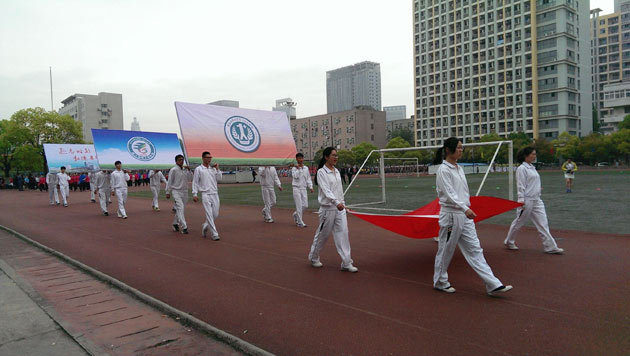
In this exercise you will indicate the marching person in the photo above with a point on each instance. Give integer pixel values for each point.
(332, 212)
(569, 167)
(268, 177)
(118, 183)
(52, 181)
(457, 227)
(91, 179)
(64, 186)
(178, 178)
(301, 181)
(529, 191)
(156, 177)
(205, 182)
(101, 182)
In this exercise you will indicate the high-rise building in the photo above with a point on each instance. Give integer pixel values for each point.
(610, 57)
(102, 111)
(230, 103)
(286, 105)
(353, 86)
(501, 66)
(393, 125)
(398, 112)
(617, 104)
(342, 130)
(135, 125)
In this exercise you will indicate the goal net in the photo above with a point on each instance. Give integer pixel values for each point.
(400, 180)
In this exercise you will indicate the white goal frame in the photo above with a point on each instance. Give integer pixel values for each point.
(381, 170)
(408, 159)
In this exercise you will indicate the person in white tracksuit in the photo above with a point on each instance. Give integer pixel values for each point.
(268, 177)
(92, 178)
(332, 213)
(178, 178)
(118, 183)
(457, 227)
(301, 181)
(155, 180)
(64, 186)
(52, 180)
(102, 182)
(205, 182)
(529, 191)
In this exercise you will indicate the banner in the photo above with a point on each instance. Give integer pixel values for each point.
(76, 158)
(136, 149)
(234, 136)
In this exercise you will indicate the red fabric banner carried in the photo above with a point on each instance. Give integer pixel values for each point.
(422, 223)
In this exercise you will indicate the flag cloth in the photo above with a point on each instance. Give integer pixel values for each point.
(75, 157)
(422, 223)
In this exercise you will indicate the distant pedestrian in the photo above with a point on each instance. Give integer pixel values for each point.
(177, 184)
(156, 177)
(63, 180)
(205, 182)
(268, 177)
(52, 180)
(301, 180)
(569, 167)
(118, 183)
(101, 182)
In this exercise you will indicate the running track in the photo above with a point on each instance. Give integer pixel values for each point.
(257, 284)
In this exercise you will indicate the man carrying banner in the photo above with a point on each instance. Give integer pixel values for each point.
(101, 183)
(268, 176)
(52, 181)
(118, 183)
(178, 178)
(301, 180)
(156, 178)
(205, 182)
(64, 186)
(91, 179)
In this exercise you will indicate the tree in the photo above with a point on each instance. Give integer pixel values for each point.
(595, 119)
(621, 142)
(625, 124)
(595, 148)
(345, 158)
(486, 152)
(10, 140)
(362, 150)
(403, 133)
(544, 151)
(566, 146)
(43, 126)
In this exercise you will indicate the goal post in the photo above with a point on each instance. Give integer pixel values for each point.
(380, 153)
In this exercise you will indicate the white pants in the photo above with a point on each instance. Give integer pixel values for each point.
(156, 194)
(65, 192)
(103, 198)
(535, 210)
(180, 199)
(269, 198)
(334, 221)
(92, 189)
(121, 196)
(301, 202)
(456, 229)
(52, 193)
(211, 205)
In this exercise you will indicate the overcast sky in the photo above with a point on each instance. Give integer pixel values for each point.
(157, 52)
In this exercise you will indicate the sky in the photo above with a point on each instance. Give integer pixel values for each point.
(158, 52)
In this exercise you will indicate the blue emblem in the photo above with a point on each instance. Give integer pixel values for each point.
(242, 134)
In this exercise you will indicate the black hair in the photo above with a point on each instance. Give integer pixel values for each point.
(117, 162)
(203, 154)
(62, 167)
(177, 157)
(322, 161)
(524, 152)
(449, 146)
(299, 154)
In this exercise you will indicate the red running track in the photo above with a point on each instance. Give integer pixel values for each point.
(256, 283)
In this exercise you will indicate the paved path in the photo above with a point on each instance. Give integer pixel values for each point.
(256, 283)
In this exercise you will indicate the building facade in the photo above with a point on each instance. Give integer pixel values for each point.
(617, 103)
(501, 66)
(353, 86)
(286, 105)
(398, 112)
(398, 125)
(342, 130)
(101, 111)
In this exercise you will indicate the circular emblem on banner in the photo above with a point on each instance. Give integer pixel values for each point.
(141, 148)
(242, 134)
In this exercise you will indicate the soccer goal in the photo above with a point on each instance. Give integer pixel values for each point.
(404, 194)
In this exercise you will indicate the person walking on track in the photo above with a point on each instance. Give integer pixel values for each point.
(118, 183)
(205, 182)
(156, 177)
(101, 182)
(178, 178)
(64, 186)
(301, 181)
(268, 177)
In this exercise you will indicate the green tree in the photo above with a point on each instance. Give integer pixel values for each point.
(362, 150)
(11, 139)
(486, 152)
(595, 148)
(566, 146)
(346, 158)
(595, 119)
(46, 127)
(625, 124)
(621, 142)
(544, 151)
(403, 133)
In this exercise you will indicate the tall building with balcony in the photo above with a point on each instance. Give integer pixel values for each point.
(353, 86)
(501, 66)
(101, 111)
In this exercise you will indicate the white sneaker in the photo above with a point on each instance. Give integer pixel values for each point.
(270, 220)
(436, 239)
(124, 216)
(216, 238)
(350, 268)
(316, 264)
(510, 246)
(556, 251)
(501, 289)
(119, 214)
(448, 289)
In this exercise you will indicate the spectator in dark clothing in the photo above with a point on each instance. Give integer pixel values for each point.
(342, 172)
(253, 175)
(350, 174)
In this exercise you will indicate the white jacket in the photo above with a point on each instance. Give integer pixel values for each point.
(102, 180)
(178, 179)
(118, 180)
(156, 178)
(205, 180)
(301, 178)
(63, 179)
(452, 188)
(527, 182)
(268, 176)
(51, 178)
(330, 192)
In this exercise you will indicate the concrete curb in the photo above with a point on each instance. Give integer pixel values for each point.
(185, 318)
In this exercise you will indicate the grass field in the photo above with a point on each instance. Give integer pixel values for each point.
(599, 201)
